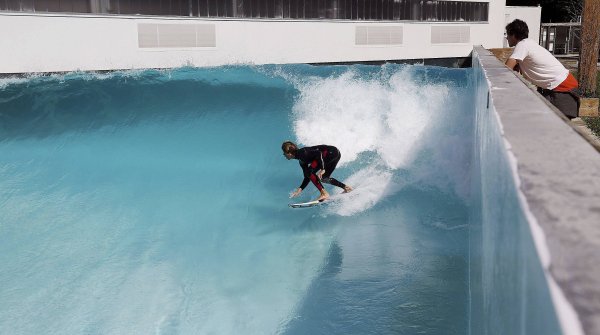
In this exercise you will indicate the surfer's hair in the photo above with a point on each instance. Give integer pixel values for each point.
(289, 147)
(518, 29)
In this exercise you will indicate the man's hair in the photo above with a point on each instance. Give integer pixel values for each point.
(518, 29)
(289, 146)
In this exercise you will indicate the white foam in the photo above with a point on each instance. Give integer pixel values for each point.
(384, 115)
(62, 77)
(5, 82)
(387, 115)
(371, 185)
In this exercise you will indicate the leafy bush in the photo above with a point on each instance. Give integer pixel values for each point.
(593, 123)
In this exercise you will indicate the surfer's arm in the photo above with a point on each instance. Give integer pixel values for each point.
(306, 173)
(296, 193)
(305, 182)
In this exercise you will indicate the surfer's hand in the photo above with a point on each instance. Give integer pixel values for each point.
(320, 173)
(296, 193)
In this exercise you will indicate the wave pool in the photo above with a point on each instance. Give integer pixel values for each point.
(155, 202)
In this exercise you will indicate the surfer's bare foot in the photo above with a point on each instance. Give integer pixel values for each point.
(324, 196)
(347, 189)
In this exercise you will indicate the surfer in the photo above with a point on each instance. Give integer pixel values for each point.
(317, 164)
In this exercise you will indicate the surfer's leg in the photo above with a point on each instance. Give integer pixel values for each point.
(334, 182)
(329, 168)
(331, 163)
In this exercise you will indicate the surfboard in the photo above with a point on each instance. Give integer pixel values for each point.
(331, 199)
(308, 204)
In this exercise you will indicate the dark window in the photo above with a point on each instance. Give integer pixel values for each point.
(344, 10)
(13, 5)
(251, 8)
(309, 9)
(148, 8)
(463, 10)
(415, 11)
(27, 5)
(477, 12)
(46, 6)
(428, 11)
(403, 10)
(484, 11)
(330, 9)
(452, 11)
(212, 8)
(225, 8)
(270, 8)
(112, 6)
(400, 10)
(389, 10)
(295, 11)
(285, 9)
(194, 9)
(353, 8)
(164, 7)
(81, 6)
(202, 8)
(360, 9)
(125, 6)
(65, 5)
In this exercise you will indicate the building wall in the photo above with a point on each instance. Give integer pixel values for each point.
(61, 42)
(531, 15)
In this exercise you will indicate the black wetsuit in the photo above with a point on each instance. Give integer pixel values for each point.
(313, 159)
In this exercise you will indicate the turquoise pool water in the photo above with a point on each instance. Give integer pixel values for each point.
(156, 202)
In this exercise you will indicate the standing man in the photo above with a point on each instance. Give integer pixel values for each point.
(317, 164)
(540, 67)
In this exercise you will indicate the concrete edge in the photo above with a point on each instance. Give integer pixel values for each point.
(502, 54)
(579, 127)
(586, 132)
(545, 151)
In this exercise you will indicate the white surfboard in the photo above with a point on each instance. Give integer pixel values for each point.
(308, 204)
(331, 199)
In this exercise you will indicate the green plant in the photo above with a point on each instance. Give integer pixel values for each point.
(593, 122)
(576, 75)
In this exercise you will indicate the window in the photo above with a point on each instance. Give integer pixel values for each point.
(372, 10)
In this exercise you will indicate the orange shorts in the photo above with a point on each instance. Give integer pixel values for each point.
(567, 85)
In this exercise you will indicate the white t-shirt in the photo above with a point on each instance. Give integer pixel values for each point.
(538, 64)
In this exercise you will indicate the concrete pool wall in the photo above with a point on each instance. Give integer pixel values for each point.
(536, 237)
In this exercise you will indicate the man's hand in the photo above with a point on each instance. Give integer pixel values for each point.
(320, 173)
(512, 64)
(296, 193)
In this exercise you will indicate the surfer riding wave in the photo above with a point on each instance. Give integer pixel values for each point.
(317, 163)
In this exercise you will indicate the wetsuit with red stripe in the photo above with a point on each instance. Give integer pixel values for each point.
(313, 159)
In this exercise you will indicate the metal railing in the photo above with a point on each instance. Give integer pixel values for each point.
(561, 38)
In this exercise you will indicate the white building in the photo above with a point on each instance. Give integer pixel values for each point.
(67, 35)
